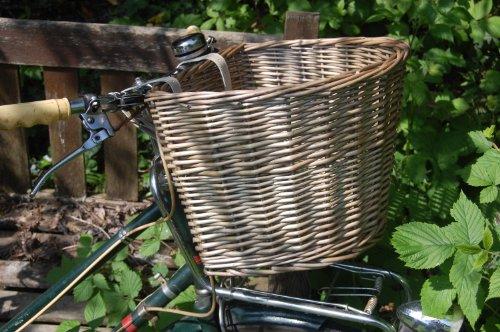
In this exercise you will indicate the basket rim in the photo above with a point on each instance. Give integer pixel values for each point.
(353, 76)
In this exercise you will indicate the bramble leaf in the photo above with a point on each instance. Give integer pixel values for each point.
(486, 170)
(422, 245)
(95, 310)
(69, 326)
(480, 141)
(100, 281)
(149, 247)
(481, 259)
(493, 26)
(480, 9)
(84, 290)
(121, 255)
(494, 284)
(487, 239)
(130, 284)
(437, 296)
(116, 305)
(488, 194)
(179, 260)
(84, 245)
(442, 31)
(470, 221)
(467, 281)
(469, 249)
(491, 81)
(160, 268)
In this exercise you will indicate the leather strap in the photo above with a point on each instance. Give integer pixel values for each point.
(220, 62)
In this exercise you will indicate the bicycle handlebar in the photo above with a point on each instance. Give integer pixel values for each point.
(33, 113)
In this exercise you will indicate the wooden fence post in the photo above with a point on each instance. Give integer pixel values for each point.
(14, 167)
(301, 25)
(298, 25)
(120, 152)
(65, 136)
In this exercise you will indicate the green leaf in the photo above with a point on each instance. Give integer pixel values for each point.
(159, 231)
(491, 82)
(441, 31)
(164, 232)
(488, 194)
(480, 141)
(469, 249)
(208, 24)
(481, 259)
(179, 259)
(477, 31)
(116, 306)
(118, 268)
(184, 300)
(442, 195)
(437, 296)
(445, 57)
(149, 247)
(84, 290)
(494, 284)
(421, 245)
(149, 233)
(121, 255)
(160, 268)
(491, 325)
(95, 310)
(84, 245)
(130, 284)
(489, 132)
(418, 90)
(470, 221)
(298, 5)
(467, 281)
(480, 9)
(460, 105)
(69, 326)
(100, 281)
(445, 5)
(219, 24)
(415, 168)
(486, 170)
(377, 17)
(487, 239)
(493, 26)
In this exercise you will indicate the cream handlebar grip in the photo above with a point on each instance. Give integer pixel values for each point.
(37, 112)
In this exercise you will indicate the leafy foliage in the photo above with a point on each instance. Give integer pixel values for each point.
(116, 287)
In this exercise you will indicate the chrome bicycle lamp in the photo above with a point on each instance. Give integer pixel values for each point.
(412, 318)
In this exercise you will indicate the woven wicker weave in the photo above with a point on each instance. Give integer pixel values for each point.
(290, 170)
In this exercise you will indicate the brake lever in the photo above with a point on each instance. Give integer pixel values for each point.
(99, 129)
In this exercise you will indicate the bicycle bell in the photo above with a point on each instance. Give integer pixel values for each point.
(192, 45)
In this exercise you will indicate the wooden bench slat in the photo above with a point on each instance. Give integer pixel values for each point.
(98, 46)
(120, 152)
(65, 136)
(14, 167)
(53, 328)
(23, 274)
(12, 301)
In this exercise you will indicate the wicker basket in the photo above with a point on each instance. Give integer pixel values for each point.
(290, 170)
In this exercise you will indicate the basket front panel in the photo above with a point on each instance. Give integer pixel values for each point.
(285, 181)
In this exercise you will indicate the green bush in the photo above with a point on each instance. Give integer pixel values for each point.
(444, 195)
